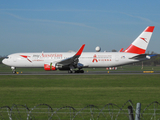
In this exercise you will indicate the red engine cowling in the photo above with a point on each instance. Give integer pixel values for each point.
(49, 66)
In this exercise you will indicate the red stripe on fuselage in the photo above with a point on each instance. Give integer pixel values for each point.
(24, 56)
(134, 49)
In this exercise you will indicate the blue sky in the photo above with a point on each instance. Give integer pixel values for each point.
(63, 25)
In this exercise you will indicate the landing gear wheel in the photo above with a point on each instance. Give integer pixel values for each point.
(81, 71)
(69, 71)
(77, 71)
(14, 72)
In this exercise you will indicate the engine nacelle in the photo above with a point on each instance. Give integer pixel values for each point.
(49, 66)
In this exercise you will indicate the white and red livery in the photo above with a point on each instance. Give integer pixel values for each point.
(71, 61)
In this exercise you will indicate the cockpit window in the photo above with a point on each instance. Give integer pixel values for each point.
(6, 57)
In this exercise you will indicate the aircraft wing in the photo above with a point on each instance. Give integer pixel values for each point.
(72, 61)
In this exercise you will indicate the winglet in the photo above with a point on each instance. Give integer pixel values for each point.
(80, 50)
(121, 50)
(72, 61)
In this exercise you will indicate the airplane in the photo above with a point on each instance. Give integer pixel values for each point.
(79, 60)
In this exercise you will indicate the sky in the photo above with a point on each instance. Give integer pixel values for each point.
(63, 25)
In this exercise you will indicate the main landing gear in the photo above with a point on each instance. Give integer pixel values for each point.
(13, 70)
(76, 71)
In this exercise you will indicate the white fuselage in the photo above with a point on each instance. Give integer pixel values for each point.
(69, 61)
(87, 59)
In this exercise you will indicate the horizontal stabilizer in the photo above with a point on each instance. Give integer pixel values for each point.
(152, 55)
(143, 56)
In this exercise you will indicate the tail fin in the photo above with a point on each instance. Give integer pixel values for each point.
(140, 44)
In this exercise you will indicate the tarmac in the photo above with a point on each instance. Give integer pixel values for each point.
(85, 73)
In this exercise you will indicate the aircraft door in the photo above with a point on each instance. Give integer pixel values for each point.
(14, 59)
(117, 58)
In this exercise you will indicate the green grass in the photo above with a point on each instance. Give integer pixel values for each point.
(78, 91)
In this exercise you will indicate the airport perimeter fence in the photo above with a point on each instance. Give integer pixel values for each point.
(108, 112)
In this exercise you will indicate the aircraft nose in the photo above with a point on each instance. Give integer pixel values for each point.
(3, 61)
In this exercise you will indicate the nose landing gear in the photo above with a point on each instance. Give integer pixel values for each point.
(13, 70)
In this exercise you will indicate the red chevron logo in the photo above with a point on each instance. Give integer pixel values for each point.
(144, 39)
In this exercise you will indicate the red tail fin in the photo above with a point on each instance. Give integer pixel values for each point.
(140, 44)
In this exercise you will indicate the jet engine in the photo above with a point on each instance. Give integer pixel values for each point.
(49, 66)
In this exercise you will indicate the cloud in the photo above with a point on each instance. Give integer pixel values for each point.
(51, 10)
(45, 20)
(139, 17)
(74, 10)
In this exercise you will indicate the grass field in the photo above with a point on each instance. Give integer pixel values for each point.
(81, 90)
(78, 91)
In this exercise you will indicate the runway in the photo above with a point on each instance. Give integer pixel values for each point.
(85, 73)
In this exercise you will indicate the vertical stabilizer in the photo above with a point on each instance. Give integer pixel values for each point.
(140, 44)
